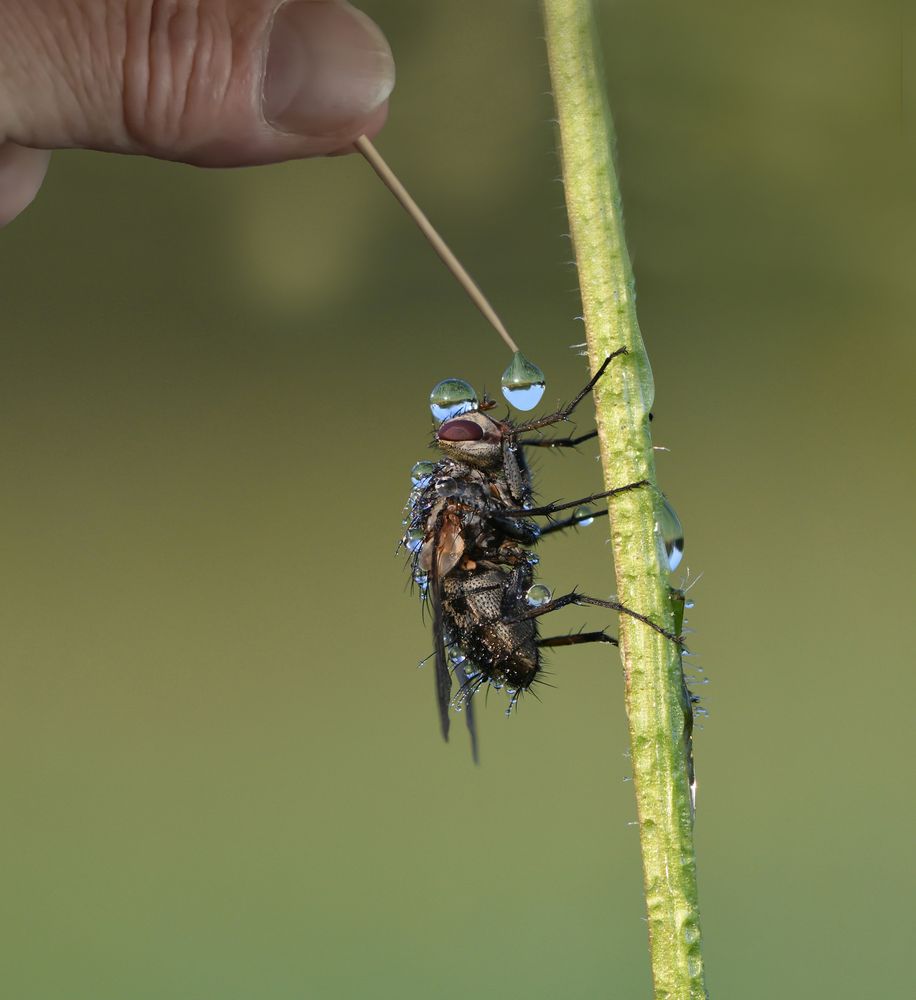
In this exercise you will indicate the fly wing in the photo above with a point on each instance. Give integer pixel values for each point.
(445, 546)
(443, 678)
(462, 679)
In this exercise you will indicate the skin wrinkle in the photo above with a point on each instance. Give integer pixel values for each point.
(188, 78)
(159, 81)
(191, 54)
(32, 23)
(90, 59)
(176, 79)
(200, 55)
(210, 74)
(114, 29)
(134, 71)
(13, 24)
(185, 48)
(77, 49)
(78, 57)
(166, 65)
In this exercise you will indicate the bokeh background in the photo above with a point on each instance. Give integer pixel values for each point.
(221, 770)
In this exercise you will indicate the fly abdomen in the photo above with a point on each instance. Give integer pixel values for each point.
(478, 610)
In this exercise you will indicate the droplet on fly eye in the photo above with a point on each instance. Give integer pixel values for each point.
(523, 383)
(538, 595)
(584, 516)
(421, 471)
(413, 540)
(452, 397)
(672, 534)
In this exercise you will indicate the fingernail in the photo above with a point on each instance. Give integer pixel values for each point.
(328, 67)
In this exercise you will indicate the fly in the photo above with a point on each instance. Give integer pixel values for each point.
(470, 530)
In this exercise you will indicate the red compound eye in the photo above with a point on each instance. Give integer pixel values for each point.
(460, 430)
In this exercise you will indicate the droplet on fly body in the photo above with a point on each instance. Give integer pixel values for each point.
(583, 515)
(455, 656)
(523, 383)
(452, 397)
(672, 533)
(413, 540)
(421, 471)
(538, 595)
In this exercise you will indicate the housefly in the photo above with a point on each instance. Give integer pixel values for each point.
(470, 530)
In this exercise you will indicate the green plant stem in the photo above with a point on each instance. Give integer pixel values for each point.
(623, 399)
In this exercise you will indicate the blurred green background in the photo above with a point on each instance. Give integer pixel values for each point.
(221, 770)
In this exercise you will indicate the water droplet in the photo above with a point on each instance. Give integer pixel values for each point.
(533, 558)
(421, 472)
(672, 533)
(455, 656)
(451, 397)
(538, 595)
(413, 540)
(584, 514)
(523, 383)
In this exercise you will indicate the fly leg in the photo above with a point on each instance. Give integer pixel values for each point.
(576, 638)
(567, 442)
(577, 598)
(571, 522)
(553, 508)
(565, 411)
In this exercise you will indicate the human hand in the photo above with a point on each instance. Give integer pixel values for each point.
(216, 83)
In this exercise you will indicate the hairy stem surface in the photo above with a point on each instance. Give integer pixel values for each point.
(623, 399)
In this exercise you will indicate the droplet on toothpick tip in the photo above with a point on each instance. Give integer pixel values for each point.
(523, 383)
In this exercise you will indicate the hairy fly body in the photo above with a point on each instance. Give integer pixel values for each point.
(470, 528)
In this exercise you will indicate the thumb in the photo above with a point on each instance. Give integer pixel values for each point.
(210, 82)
